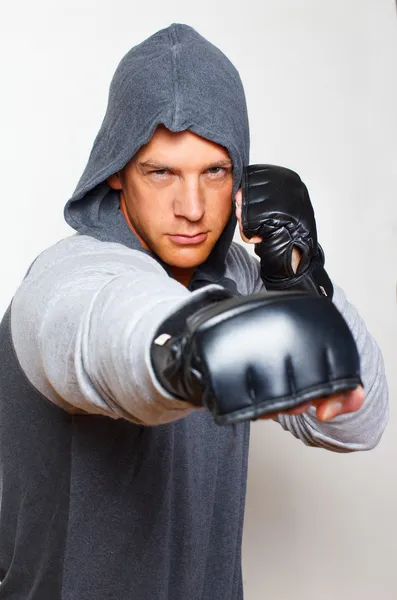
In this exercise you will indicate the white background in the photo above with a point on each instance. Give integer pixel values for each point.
(321, 84)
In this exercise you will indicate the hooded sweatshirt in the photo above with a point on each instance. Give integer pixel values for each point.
(112, 489)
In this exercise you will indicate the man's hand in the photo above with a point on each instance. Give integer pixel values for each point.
(276, 206)
(244, 357)
(296, 254)
(331, 406)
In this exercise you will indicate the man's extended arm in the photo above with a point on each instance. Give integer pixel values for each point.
(103, 329)
(82, 322)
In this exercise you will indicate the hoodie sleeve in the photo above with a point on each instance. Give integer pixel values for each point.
(361, 430)
(82, 322)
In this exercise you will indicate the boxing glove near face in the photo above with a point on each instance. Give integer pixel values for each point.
(276, 206)
(248, 356)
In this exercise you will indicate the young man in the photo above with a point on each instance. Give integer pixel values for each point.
(116, 482)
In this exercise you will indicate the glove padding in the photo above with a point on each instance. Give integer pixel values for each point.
(276, 206)
(245, 357)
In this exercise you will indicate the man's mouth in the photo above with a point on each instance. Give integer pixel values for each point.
(184, 240)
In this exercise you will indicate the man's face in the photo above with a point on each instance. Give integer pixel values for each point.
(177, 194)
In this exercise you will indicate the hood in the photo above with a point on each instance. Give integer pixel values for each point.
(178, 79)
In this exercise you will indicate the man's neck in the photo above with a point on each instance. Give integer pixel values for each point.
(184, 276)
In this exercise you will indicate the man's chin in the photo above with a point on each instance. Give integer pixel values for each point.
(185, 259)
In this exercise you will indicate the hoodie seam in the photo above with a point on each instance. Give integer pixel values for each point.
(174, 49)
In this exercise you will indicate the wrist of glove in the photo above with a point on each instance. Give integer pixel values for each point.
(310, 276)
(177, 366)
(245, 357)
(276, 207)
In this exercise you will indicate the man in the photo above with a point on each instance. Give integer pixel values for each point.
(116, 482)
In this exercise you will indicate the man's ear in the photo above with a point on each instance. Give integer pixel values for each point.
(114, 181)
(238, 198)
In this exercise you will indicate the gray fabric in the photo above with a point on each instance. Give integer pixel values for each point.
(35, 476)
(111, 488)
(99, 508)
(177, 78)
(94, 307)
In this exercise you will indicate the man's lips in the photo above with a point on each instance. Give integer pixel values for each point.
(184, 240)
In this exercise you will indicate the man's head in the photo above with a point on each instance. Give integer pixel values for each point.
(176, 193)
(174, 81)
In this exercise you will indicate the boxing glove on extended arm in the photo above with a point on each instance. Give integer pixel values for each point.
(244, 357)
(276, 206)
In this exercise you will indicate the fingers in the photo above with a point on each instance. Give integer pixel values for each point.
(296, 257)
(238, 200)
(293, 411)
(330, 407)
(296, 252)
(340, 404)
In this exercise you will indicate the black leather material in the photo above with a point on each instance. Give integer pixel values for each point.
(250, 356)
(168, 358)
(276, 206)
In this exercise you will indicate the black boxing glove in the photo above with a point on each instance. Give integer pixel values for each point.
(276, 206)
(247, 356)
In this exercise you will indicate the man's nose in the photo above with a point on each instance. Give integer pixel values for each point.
(189, 202)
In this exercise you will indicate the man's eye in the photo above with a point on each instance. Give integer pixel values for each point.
(159, 172)
(216, 170)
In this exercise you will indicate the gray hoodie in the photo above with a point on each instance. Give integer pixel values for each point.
(111, 488)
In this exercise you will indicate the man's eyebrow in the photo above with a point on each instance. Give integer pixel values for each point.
(154, 165)
(161, 166)
(221, 163)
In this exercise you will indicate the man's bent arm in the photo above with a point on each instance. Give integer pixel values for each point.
(82, 322)
(360, 430)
